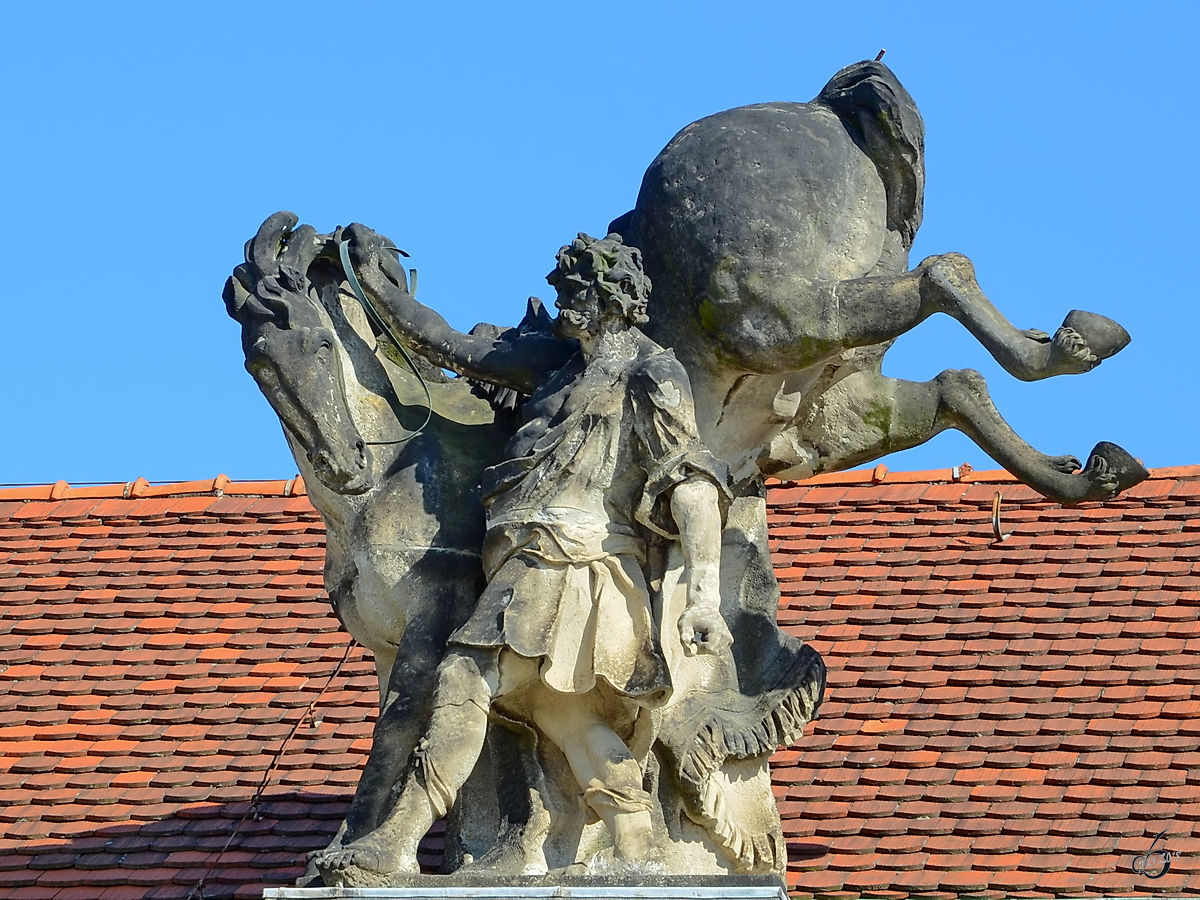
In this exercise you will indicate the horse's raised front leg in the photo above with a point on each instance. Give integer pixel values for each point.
(964, 404)
(891, 414)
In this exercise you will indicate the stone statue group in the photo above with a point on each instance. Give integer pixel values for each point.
(559, 557)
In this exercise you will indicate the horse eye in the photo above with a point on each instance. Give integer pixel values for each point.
(318, 341)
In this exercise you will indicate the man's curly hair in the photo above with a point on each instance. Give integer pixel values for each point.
(612, 267)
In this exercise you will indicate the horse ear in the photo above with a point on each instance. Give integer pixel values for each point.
(537, 320)
(241, 304)
(235, 297)
(270, 240)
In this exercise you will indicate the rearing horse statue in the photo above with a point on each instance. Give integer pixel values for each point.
(777, 238)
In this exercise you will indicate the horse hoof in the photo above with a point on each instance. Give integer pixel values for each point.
(1117, 464)
(1103, 336)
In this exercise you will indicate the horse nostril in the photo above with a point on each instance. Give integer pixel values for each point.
(321, 461)
(362, 452)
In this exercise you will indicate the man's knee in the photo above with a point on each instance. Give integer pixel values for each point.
(463, 678)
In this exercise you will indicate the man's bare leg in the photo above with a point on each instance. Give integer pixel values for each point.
(467, 681)
(610, 777)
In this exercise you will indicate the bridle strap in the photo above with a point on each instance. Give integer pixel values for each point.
(373, 315)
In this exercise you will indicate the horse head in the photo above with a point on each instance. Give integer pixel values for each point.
(292, 351)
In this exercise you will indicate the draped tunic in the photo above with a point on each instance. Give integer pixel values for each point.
(586, 482)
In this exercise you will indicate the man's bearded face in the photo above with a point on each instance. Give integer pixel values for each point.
(579, 311)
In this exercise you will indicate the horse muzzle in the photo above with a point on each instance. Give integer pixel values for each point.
(342, 476)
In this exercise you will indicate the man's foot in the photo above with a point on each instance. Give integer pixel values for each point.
(375, 855)
(632, 836)
(607, 863)
(509, 858)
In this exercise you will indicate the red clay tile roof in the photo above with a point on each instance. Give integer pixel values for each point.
(1012, 718)
(156, 652)
(1004, 718)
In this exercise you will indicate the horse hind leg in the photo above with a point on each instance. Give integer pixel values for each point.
(949, 285)
(867, 415)
(861, 312)
(454, 735)
(964, 404)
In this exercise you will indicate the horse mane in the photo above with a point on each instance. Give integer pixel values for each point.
(883, 120)
(261, 305)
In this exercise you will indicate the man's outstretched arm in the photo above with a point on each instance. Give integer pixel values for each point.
(694, 508)
(516, 364)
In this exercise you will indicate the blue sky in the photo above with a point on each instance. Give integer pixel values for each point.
(146, 142)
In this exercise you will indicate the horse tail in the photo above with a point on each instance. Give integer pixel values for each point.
(883, 120)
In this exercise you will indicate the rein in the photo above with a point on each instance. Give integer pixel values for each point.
(373, 315)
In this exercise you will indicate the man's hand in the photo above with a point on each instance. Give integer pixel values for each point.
(701, 627)
(703, 630)
(377, 261)
(694, 506)
(517, 364)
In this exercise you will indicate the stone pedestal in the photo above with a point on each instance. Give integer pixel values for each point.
(449, 887)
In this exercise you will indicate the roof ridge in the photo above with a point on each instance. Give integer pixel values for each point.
(222, 485)
(141, 489)
(963, 474)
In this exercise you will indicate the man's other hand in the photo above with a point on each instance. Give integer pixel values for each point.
(702, 630)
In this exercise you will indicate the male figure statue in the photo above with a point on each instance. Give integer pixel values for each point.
(606, 458)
